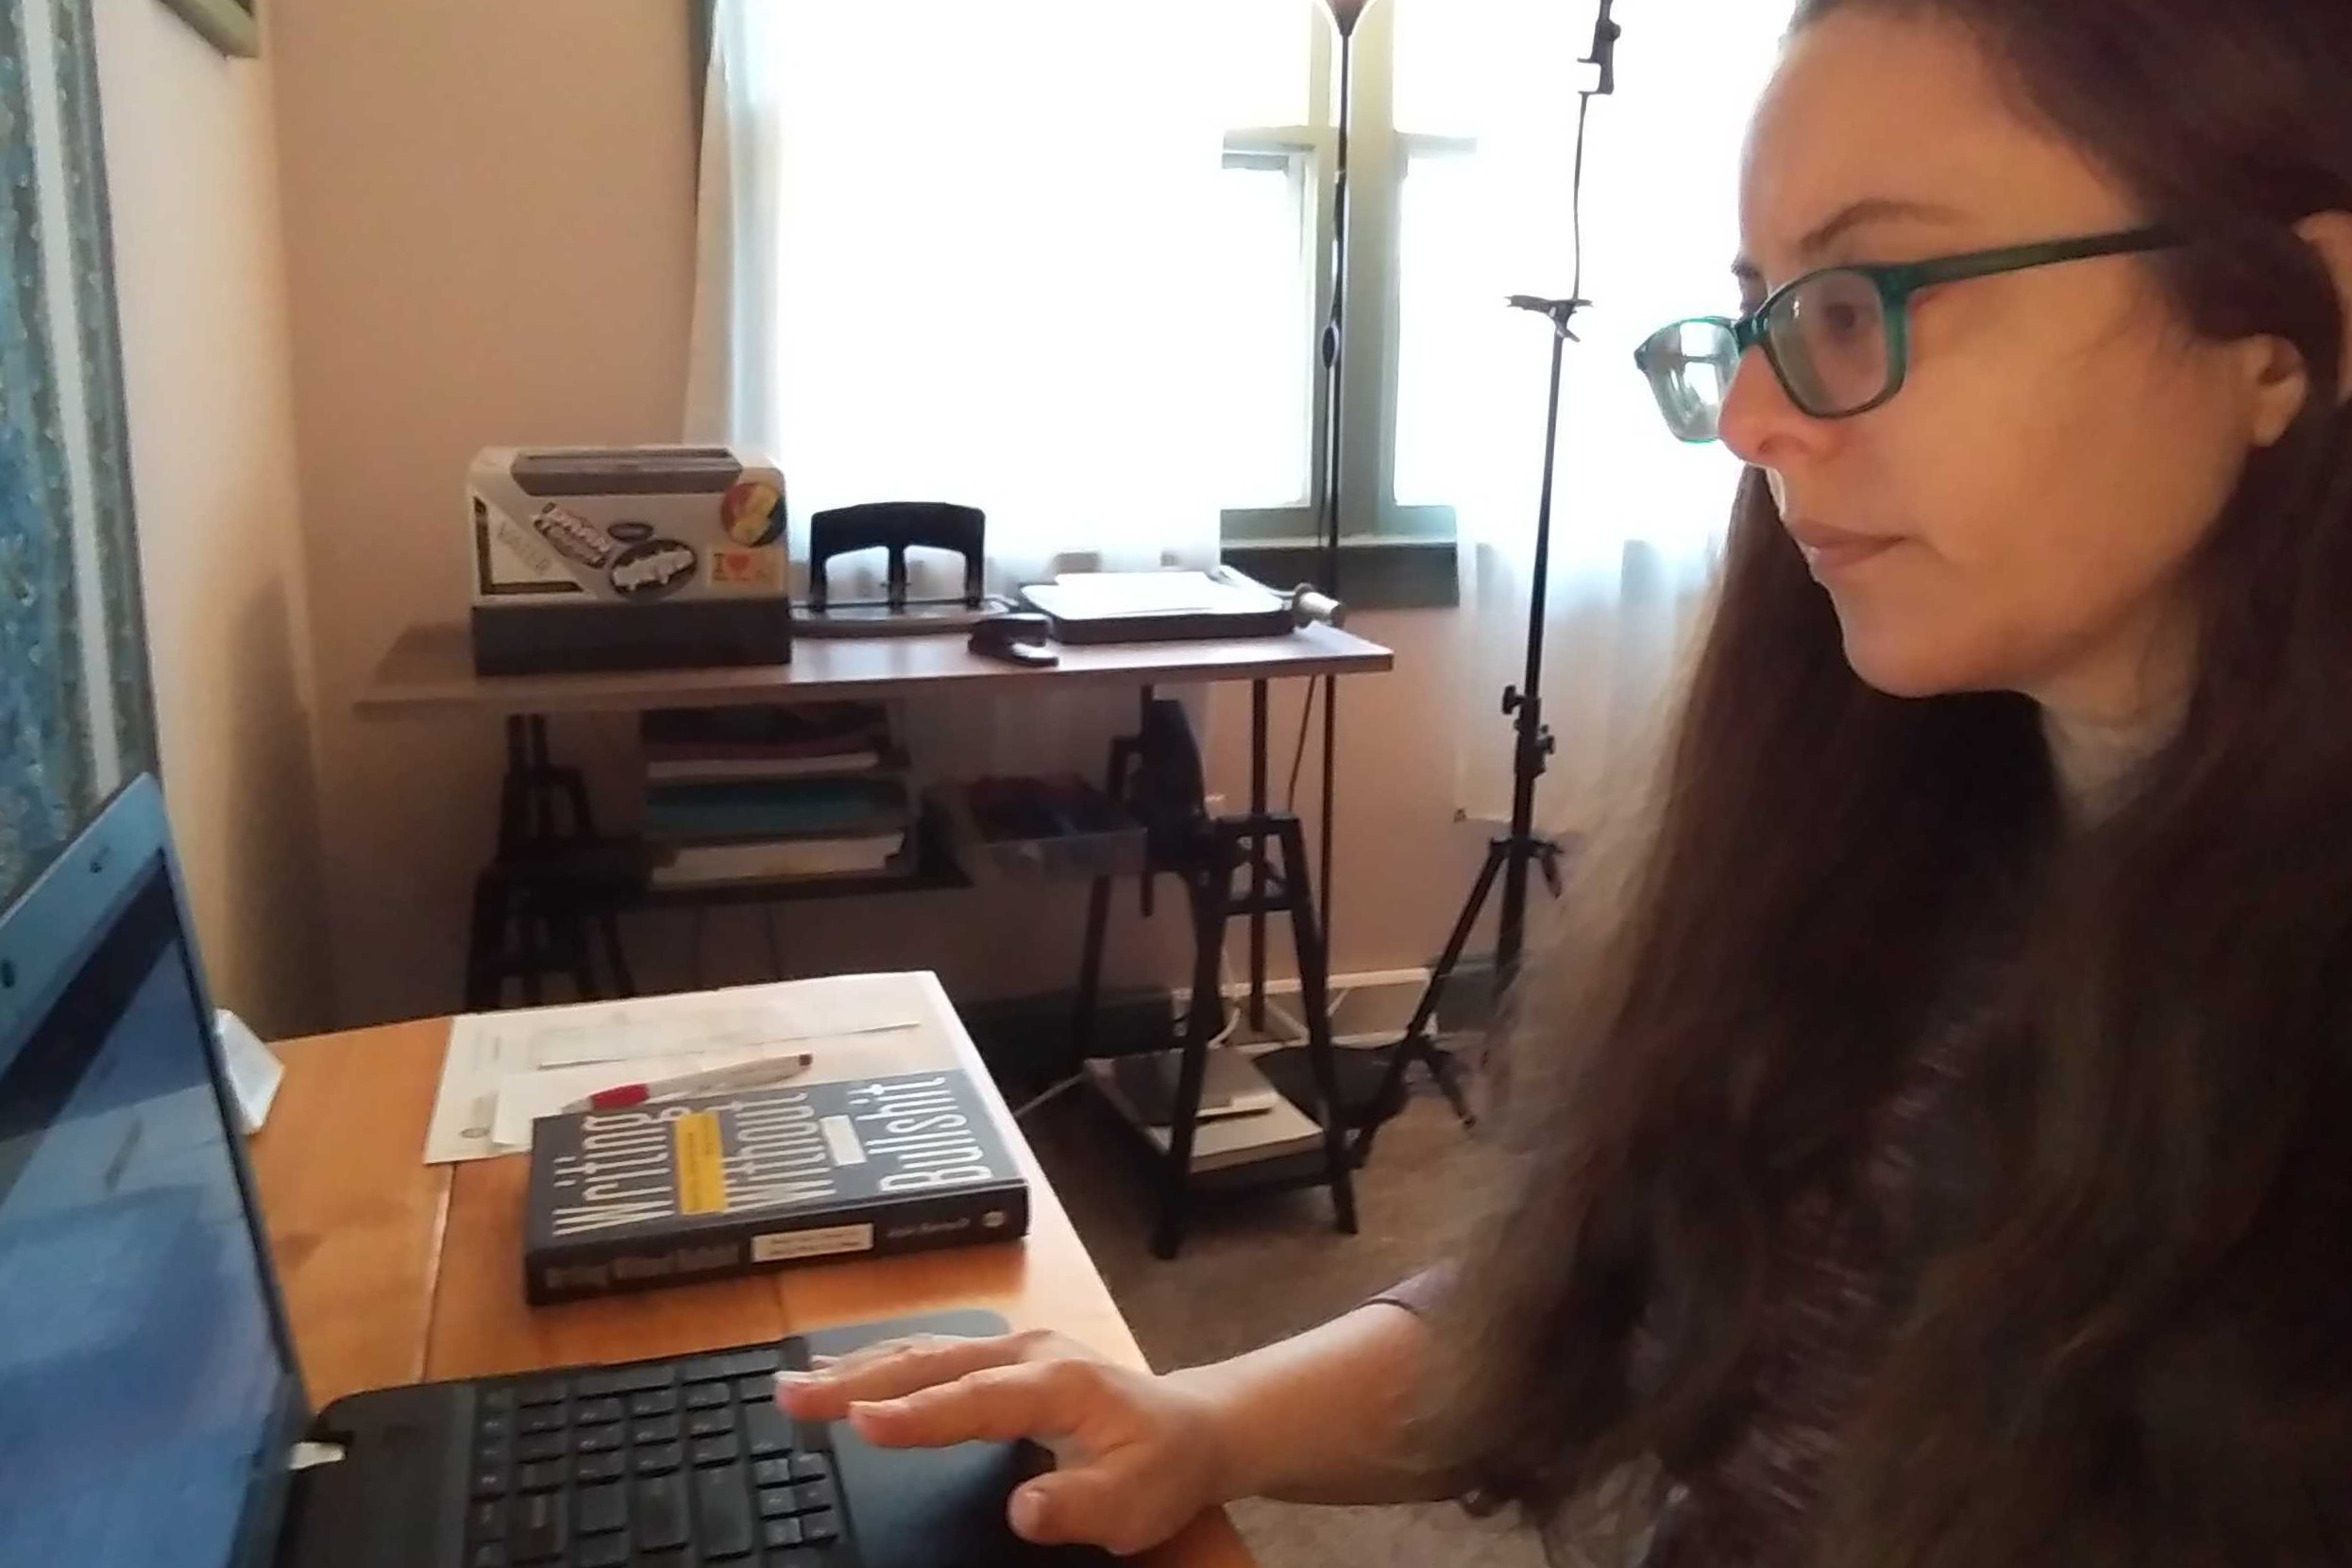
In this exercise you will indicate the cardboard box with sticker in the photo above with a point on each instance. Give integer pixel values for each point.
(626, 558)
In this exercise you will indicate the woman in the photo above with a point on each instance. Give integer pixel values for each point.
(1935, 1154)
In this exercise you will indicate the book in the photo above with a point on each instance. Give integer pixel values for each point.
(775, 860)
(711, 769)
(693, 1189)
(853, 807)
(814, 728)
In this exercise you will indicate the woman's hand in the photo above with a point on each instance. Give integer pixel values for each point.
(1136, 1456)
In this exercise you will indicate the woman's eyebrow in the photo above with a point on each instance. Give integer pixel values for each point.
(1853, 215)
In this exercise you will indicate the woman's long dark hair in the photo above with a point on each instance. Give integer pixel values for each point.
(2132, 1342)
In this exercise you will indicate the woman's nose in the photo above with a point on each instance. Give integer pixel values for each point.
(1759, 424)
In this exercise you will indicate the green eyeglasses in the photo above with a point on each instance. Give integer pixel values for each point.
(1838, 339)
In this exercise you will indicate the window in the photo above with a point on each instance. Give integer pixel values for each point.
(1413, 159)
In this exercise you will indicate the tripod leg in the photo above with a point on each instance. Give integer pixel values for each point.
(1312, 975)
(1414, 1043)
(1209, 893)
(1091, 971)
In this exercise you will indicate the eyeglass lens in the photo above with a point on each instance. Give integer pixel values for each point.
(1828, 339)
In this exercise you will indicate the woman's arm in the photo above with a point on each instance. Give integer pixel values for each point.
(1320, 1418)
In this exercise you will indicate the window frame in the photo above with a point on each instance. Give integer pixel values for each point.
(1377, 160)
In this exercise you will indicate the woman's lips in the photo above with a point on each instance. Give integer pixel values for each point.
(1831, 551)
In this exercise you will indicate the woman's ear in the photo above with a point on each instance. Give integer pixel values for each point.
(2330, 234)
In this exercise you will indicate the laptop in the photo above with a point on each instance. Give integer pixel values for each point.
(152, 1415)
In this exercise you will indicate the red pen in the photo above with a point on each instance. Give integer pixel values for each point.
(717, 1080)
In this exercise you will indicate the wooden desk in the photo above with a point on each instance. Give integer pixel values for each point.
(431, 670)
(395, 1270)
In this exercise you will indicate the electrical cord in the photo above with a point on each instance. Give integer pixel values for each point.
(1298, 753)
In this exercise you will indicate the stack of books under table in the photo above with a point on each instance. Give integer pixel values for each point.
(771, 794)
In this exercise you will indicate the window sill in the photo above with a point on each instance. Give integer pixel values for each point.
(1374, 574)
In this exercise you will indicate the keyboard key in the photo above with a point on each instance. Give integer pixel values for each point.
(766, 1431)
(814, 1494)
(707, 1396)
(741, 1363)
(496, 1399)
(595, 1412)
(542, 1418)
(486, 1522)
(660, 1457)
(772, 1473)
(490, 1554)
(661, 1512)
(778, 1502)
(680, 1558)
(539, 1531)
(709, 1424)
(596, 1440)
(658, 1402)
(776, 1533)
(598, 1467)
(595, 1385)
(819, 1527)
(597, 1509)
(541, 1477)
(498, 1455)
(723, 1514)
(490, 1483)
(720, 1450)
(659, 1429)
(605, 1551)
(495, 1426)
(546, 1390)
(811, 1467)
(544, 1445)
(753, 1389)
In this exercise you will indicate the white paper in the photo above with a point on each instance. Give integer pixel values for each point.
(743, 1017)
(497, 1074)
(523, 1097)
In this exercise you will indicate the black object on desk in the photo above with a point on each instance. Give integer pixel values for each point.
(896, 526)
(1017, 638)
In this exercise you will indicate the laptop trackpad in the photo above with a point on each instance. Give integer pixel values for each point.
(937, 1508)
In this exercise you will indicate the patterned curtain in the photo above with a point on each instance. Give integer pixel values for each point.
(76, 714)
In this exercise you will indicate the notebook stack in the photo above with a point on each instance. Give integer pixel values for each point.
(764, 794)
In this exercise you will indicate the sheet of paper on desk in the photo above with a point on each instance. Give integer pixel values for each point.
(739, 1017)
(523, 1097)
(850, 1024)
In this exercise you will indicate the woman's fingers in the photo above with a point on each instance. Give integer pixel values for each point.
(997, 1404)
(1118, 1504)
(887, 1370)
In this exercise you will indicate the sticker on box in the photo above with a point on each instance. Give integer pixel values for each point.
(653, 568)
(574, 537)
(747, 568)
(753, 513)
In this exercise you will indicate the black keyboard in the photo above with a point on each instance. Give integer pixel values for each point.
(664, 1464)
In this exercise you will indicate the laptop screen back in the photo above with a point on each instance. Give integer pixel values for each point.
(143, 1387)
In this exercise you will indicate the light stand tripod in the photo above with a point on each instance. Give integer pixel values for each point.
(1510, 855)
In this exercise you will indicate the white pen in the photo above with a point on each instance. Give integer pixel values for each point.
(717, 1080)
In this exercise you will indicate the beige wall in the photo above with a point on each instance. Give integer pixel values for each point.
(489, 220)
(191, 167)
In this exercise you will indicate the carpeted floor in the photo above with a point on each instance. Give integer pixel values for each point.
(1259, 1269)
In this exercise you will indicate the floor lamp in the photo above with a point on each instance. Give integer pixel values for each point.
(1345, 13)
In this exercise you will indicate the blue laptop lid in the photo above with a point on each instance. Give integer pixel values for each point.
(148, 1391)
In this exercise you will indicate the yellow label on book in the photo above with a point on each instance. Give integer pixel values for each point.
(702, 1173)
